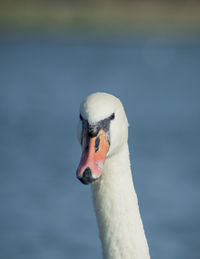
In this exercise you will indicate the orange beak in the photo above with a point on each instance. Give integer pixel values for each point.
(94, 150)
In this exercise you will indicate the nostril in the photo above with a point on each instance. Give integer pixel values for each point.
(87, 176)
(97, 142)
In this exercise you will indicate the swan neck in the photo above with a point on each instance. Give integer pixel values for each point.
(116, 206)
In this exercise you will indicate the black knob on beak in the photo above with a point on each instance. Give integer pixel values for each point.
(87, 176)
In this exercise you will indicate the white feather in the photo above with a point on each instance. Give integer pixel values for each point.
(115, 200)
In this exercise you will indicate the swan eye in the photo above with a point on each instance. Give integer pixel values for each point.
(81, 117)
(112, 116)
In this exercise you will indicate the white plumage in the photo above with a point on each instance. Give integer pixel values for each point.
(115, 200)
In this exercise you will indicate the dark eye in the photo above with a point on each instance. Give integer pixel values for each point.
(81, 117)
(112, 116)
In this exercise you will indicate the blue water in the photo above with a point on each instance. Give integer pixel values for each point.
(45, 212)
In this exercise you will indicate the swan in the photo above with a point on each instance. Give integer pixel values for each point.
(105, 164)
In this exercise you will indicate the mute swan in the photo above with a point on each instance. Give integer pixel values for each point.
(103, 134)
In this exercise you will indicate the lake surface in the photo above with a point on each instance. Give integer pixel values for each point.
(46, 213)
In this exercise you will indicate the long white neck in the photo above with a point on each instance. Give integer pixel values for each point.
(116, 206)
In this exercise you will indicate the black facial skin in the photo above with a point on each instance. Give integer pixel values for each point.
(93, 129)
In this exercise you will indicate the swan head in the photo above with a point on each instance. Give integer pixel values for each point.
(102, 130)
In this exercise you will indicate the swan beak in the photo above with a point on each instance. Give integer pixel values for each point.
(94, 150)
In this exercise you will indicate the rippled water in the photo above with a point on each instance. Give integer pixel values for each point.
(45, 212)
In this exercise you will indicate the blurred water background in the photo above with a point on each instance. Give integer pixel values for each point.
(44, 75)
